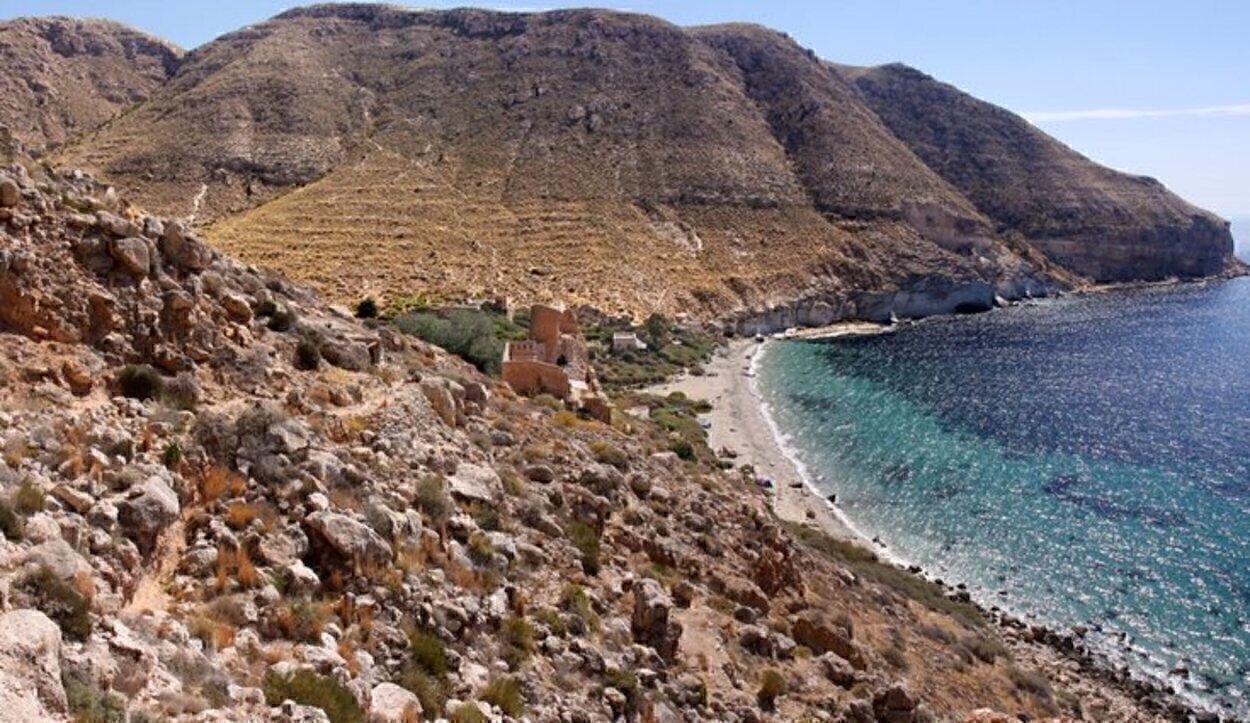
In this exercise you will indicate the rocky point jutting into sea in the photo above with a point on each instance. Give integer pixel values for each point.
(225, 498)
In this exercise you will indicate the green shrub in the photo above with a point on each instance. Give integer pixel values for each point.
(367, 308)
(282, 319)
(480, 550)
(586, 539)
(607, 453)
(468, 713)
(772, 687)
(91, 705)
(29, 498)
(67, 607)
(307, 354)
(517, 635)
(432, 691)
(626, 682)
(182, 392)
(505, 693)
(683, 449)
(11, 524)
(432, 499)
(140, 382)
(427, 651)
(478, 337)
(307, 688)
(172, 455)
(265, 309)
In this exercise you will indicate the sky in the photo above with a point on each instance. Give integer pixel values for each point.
(1146, 86)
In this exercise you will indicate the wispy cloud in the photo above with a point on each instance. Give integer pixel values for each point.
(1062, 116)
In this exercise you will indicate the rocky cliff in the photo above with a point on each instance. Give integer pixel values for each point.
(1096, 222)
(222, 500)
(63, 77)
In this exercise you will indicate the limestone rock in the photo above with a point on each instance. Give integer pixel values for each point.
(390, 703)
(151, 508)
(183, 251)
(351, 541)
(475, 483)
(894, 705)
(30, 667)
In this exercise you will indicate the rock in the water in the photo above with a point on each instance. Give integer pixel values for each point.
(30, 667)
(151, 508)
(393, 704)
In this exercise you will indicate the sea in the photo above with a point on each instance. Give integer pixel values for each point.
(1078, 461)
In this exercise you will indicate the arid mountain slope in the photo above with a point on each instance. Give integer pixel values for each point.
(1097, 222)
(583, 155)
(620, 161)
(60, 77)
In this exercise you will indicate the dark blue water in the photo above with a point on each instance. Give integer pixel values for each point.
(1080, 461)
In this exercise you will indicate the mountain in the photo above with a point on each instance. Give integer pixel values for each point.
(1096, 222)
(614, 160)
(61, 77)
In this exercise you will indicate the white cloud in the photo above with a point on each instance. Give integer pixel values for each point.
(1126, 114)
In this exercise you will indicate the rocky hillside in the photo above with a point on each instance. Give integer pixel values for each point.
(623, 162)
(63, 77)
(222, 500)
(588, 156)
(1096, 222)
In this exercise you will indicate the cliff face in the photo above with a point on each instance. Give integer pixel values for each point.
(61, 77)
(620, 161)
(1097, 222)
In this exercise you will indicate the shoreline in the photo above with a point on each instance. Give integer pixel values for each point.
(741, 423)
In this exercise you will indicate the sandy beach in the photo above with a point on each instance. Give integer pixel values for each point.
(738, 423)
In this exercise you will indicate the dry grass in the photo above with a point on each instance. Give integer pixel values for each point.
(239, 514)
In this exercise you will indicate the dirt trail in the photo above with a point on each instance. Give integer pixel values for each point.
(150, 594)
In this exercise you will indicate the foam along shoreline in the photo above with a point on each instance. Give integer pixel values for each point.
(739, 421)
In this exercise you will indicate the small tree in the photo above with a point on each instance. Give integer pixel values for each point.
(657, 330)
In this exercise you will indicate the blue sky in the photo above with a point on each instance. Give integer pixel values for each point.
(1176, 75)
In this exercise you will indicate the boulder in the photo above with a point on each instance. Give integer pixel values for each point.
(237, 309)
(10, 193)
(182, 250)
(816, 631)
(30, 667)
(652, 622)
(151, 507)
(442, 396)
(346, 354)
(894, 705)
(116, 226)
(475, 483)
(393, 704)
(540, 473)
(837, 670)
(346, 539)
(132, 254)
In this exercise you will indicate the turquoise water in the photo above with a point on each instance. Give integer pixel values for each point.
(1077, 461)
